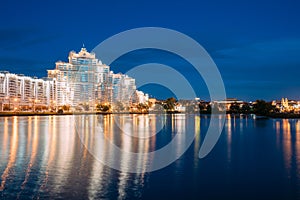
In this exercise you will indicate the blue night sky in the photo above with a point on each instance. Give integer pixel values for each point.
(256, 44)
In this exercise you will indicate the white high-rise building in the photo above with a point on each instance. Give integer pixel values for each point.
(81, 81)
(85, 80)
(78, 80)
(21, 92)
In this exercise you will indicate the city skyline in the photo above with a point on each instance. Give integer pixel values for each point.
(82, 83)
(151, 99)
(254, 44)
(107, 70)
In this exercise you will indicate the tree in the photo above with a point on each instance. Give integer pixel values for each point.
(118, 106)
(66, 107)
(260, 107)
(245, 108)
(103, 107)
(234, 108)
(6, 108)
(158, 107)
(201, 106)
(205, 108)
(208, 108)
(170, 103)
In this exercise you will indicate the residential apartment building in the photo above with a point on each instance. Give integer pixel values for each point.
(83, 80)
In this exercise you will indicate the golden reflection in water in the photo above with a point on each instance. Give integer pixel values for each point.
(65, 151)
(278, 130)
(298, 126)
(5, 136)
(155, 123)
(197, 140)
(229, 137)
(234, 122)
(29, 134)
(125, 127)
(91, 129)
(298, 147)
(97, 180)
(13, 153)
(173, 125)
(34, 147)
(144, 126)
(53, 143)
(180, 130)
(89, 124)
(287, 144)
(50, 149)
(111, 128)
(243, 122)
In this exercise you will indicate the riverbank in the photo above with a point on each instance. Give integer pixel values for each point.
(7, 114)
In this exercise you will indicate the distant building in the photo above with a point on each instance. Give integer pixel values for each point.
(224, 105)
(286, 105)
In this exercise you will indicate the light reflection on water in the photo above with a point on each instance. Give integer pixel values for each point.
(43, 157)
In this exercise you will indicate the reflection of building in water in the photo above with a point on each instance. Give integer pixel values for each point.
(197, 138)
(65, 151)
(126, 132)
(278, 131)
(5, 137)
(297, 148)
(50, 149)
(229, 136)
(117, 130)
(180, 130)
(291, 145)
(12, 153)
(34, 151)
(287, 143)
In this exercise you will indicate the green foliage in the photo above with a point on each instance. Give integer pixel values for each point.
(66, 107)
(205, 108)
(169, 104)
(142, 106)
(246, 109)
(103, 107)
(6, 108)
(158, 107)
(234, 108)
(60, 111)
(118, 106)
(260, 107)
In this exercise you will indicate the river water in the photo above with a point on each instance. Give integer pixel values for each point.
(60, 157)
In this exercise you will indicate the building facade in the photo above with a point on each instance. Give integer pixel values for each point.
(83, 80)
(19, 92)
